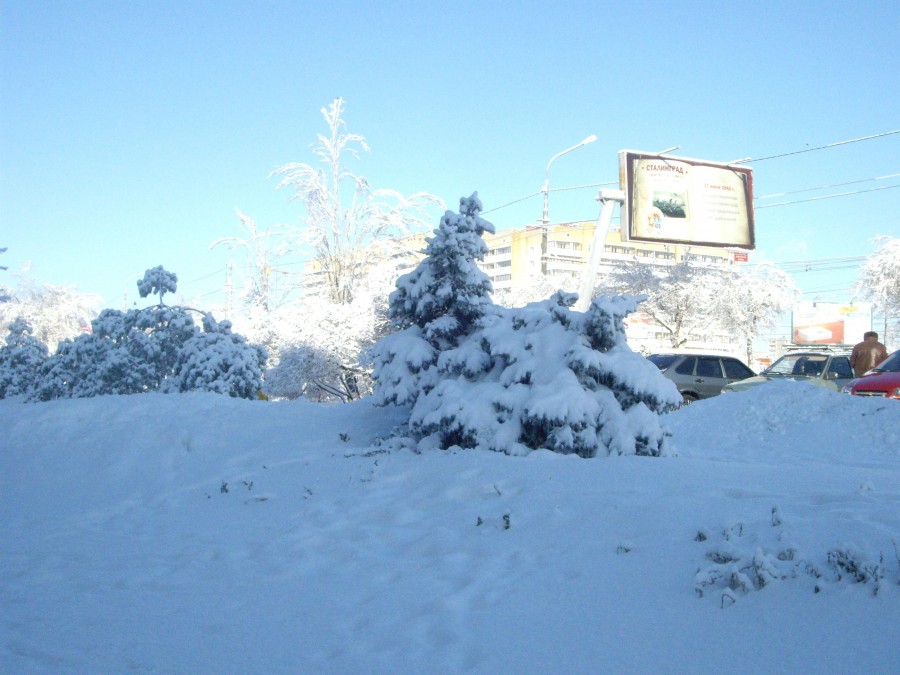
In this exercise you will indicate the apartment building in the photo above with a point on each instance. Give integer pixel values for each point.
(563, 252)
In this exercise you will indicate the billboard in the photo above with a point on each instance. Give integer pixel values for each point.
(830, 323)
(678, 200)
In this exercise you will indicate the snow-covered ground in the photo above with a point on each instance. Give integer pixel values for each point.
(196, 533)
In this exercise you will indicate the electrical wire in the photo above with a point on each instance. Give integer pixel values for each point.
(521, 199)
(821, 147)
(825, 187)
(816, 199)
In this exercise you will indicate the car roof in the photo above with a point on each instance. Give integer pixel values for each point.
(718, 356)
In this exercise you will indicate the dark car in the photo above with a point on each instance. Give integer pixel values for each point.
(882, 380)
(826, 368)
(700, 375)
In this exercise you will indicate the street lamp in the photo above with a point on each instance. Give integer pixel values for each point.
(546, 190)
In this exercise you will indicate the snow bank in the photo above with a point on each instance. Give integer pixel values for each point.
(198, 533)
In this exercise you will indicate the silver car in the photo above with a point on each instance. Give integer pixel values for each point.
(827, 369)
(700, 375)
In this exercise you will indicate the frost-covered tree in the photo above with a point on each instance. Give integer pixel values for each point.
(750, 299)
(302, 370)
(316, 346)
(680, 298)
(343, 214)
(260, 253)
(436, 305)
(880, 276)
(21, 359)
(54, 312)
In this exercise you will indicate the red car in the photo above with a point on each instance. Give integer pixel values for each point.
(883, 380)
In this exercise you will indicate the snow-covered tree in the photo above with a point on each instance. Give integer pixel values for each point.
(880, 276)
(157, 280)
(260, 253)
(303, 370)
(317, 345)
(339, 233)
(750, 299)
(681, 298)
(158, 348)
(54, 312)
(219, 361)
(21, 359)
(478, 375)
(547, 377)
(435, 305)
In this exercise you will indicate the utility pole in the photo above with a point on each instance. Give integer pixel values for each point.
(229, 289)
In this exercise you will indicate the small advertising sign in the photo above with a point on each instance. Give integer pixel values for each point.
(830, 323)
(686, 201)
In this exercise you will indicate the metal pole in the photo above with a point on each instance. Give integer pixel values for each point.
(608, 200)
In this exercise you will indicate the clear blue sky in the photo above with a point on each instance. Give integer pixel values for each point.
(130, 131)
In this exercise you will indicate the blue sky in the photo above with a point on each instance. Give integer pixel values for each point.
(130, 131)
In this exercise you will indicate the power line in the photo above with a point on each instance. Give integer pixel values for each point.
(821, 147)
(816, 199)
(516, 201)
(206, 276)
(824, 187)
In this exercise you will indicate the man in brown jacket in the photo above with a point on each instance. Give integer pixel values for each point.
(867, 354)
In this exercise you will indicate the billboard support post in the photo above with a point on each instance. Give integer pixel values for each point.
(608, 200)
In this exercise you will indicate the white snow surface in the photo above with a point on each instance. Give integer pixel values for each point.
(190, 533)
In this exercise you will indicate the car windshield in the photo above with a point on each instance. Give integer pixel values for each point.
(890, 365)
(662, 361)
(794, 365)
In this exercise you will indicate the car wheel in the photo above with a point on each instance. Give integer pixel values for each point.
(687, 399)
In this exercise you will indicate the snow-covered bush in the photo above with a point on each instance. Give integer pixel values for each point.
(545, 376)
(20, 360)
(219, 361)
(513, 380)
(158, 348)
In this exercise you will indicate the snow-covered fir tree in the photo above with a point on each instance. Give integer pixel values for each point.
(478, 375)
(436, 305)
(547, 377)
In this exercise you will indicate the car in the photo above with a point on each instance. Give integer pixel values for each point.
(826, 368)
(700, 376)
(882, 380)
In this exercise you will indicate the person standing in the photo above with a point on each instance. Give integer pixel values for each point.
(867, 354)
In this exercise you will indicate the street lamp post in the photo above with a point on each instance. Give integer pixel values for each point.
(546, 190)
